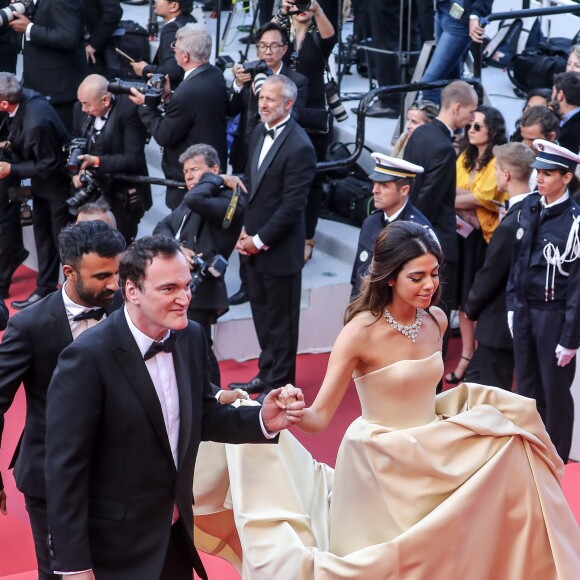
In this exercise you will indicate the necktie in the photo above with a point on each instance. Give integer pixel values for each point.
(272, 132)
(156, 347)
(96, 313)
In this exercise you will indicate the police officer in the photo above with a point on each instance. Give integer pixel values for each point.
(544, 293)
(392, 181)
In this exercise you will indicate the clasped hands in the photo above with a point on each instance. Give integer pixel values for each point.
(245, 244)
(282, 408)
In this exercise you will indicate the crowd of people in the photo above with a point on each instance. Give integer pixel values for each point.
(121, 379)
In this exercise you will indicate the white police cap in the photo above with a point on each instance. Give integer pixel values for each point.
(390, 168)
(552, 156)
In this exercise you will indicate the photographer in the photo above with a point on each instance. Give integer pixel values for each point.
(8, 45)
(115, 143)
(55, 62)
(195, 113)
(312, 39)
(37, 139)
(102, 19)
(175, 15)
(198, 224)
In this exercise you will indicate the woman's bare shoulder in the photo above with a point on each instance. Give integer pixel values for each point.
(440, 317)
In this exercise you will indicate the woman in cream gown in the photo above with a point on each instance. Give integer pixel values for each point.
(464, 485)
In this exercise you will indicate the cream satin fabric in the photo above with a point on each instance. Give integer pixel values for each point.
(473, 494)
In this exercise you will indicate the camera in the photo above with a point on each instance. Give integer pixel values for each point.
(7, 14)
(334, 102)
(215, 268)
(259, 71)
(75, 148)
(302, 6)
(90, 191)
(152, 89)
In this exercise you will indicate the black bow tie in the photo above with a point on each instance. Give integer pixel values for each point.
(272, 132)
(166, 346)
(96, 313)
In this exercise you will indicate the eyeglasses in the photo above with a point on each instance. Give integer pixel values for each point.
(269, 47)
(476, 127)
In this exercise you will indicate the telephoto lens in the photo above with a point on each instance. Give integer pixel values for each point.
(7, 14)
(334, 102)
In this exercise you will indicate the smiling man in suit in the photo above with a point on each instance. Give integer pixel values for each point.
(90, 253)
(281, 168)
(121, 449)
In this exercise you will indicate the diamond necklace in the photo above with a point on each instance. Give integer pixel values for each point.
(410, 331)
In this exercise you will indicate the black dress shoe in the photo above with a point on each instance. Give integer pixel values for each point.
(32, 299)
(378, 110)
(250, 39)
(240, 297)
(256, 385)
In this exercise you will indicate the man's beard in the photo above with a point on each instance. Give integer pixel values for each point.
(102, 298)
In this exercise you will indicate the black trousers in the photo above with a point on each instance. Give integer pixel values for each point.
(11, 244)
(178, 560)
(36, 508)
(49, 216)
(205, 318)
(275, 303)
(536, 335)
(496, 366)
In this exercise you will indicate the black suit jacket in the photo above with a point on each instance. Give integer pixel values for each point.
(199, 219)
(487, 297)
(120, 145)
(196, 113)
(569, 134)
(111, 480)
(245, 103)
(54, 59)
(277, 197)
(38, 136)
(102, 19)
(433, 192)
(164, 60)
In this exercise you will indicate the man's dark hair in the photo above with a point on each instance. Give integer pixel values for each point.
(140, 254)
(185, 6)
(209, 154)
(95, 207)
(78, 239)
(569, 84)
(272, 26)
(543, 117)
(10, 88)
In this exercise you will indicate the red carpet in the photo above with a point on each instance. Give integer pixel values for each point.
(17, 561)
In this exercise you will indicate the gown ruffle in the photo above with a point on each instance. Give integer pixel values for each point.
(462, 485)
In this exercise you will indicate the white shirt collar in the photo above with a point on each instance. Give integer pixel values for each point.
(14, 112)
(562, 199)
(143, 341)
(517, 198)
(72, 308)
(277, 126)
(393, 217)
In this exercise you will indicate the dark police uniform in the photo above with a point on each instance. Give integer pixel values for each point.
(545, 298)
(369, 231)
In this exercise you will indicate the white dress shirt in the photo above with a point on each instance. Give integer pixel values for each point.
(77, 327)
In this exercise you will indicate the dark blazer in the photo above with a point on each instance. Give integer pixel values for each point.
(196, 113)
(569, 134)
(245, 103)
(111, 480)
(433, 193)
(38, 136)
(120, 145)
(369, 231)
(29, 351)
(277, 198)
(487, 297)
(102, 19)
(54, 59)
(199, 219)
(164, 60)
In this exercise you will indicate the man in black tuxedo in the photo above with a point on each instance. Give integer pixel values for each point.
(566, 92)
(37, 138)
(121, 450)
(30, 348)
(8, 45)
(175, 14)
(433, 194)
(115, 139)
(195, 113)
(55, 62)
(198, 223)
(102, 19)
(487, 298)
(392, 181)
(281, 167)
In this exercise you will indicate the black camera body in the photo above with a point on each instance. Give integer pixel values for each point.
(214, 268)
(152, 89)
(91, 191)
(302, 6)
(255, 67)
(75, 148)
(21, 7)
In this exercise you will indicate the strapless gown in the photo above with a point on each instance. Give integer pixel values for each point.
(460, 486)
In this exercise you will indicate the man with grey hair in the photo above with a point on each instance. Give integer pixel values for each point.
(280, 170)
(37, 138)
(203, 226)
(195, 113)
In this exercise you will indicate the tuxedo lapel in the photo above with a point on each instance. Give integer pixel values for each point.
(129, 357)
(254, 165)
(62, 331)
(183, 376)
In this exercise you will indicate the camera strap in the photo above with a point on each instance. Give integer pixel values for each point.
(231, 209)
